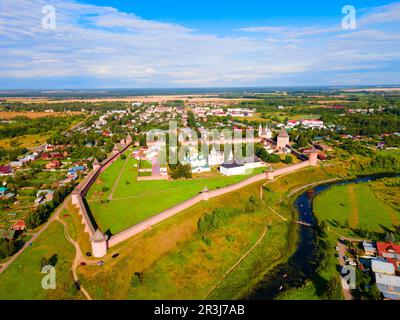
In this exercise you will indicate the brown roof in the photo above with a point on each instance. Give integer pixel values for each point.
(283, 133)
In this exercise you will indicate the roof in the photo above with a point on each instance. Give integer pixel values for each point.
(382, 267)
(368, 246)
(96, 162)
(98, 236)
(283, 133)
(232, 165)
(19, 225)
(387, 280)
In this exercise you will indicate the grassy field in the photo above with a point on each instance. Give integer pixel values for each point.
(133, 201)
(357, 204)
(25, 141)
(176, 264)
(22, 279)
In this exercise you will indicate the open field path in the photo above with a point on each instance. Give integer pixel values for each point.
(78, 257)
(353, 218)
(110, 197)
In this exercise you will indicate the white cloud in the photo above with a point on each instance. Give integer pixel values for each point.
(115, 47)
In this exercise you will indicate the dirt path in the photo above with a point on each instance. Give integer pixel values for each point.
(78, 257)
(110, 197)
(353, 219)
(345, 286)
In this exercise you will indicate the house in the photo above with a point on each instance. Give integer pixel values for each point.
(369, 248)
(390, 252)
(43, 196)
(16, 164)
(3, 191)
(389, 285)
(19, 225)
(5, 170)
(232, 169)
(54, 164)
(382, 267)
(76, 170)
(313, 123)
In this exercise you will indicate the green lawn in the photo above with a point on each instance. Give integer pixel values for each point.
(22, 279)
(355, 203)
(134, 201)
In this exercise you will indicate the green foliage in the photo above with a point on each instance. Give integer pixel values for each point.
(137, 279)
(181, 171)
(288, 159)
(206, 240)
(7, 248)
(333, 289)
(214, 220)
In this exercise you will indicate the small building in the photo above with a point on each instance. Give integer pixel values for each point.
(389, 285)
(3, 191)
(232, 169)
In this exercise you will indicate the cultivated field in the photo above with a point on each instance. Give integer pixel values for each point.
(6, 115)
(357, 204)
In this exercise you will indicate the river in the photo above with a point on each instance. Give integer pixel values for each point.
(303, 263)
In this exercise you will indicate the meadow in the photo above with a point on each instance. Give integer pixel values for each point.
(358, 205)
(22, 279)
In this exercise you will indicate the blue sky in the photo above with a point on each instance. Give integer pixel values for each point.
(177, 43)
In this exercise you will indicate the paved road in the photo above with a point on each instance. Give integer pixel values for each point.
(36, 235)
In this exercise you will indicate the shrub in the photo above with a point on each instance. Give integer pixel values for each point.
(137, 279)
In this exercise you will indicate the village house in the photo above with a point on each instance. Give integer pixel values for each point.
(5, 170)
(19, 225)
(54, 164)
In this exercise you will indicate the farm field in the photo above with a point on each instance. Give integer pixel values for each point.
(357, 204)
(119, 204)
(34, 115)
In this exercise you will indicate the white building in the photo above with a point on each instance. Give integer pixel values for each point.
(215, 158)
(232, 169)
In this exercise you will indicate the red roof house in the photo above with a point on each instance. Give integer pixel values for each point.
(19, 225)
(391, 252)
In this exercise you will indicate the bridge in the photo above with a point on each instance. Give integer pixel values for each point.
(303, 223)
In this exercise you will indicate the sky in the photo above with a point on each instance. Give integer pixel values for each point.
(185, 43)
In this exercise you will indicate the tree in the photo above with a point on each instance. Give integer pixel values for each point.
(288, 159)
(333, 289)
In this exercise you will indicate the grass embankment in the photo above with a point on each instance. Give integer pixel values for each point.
(134, 201)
